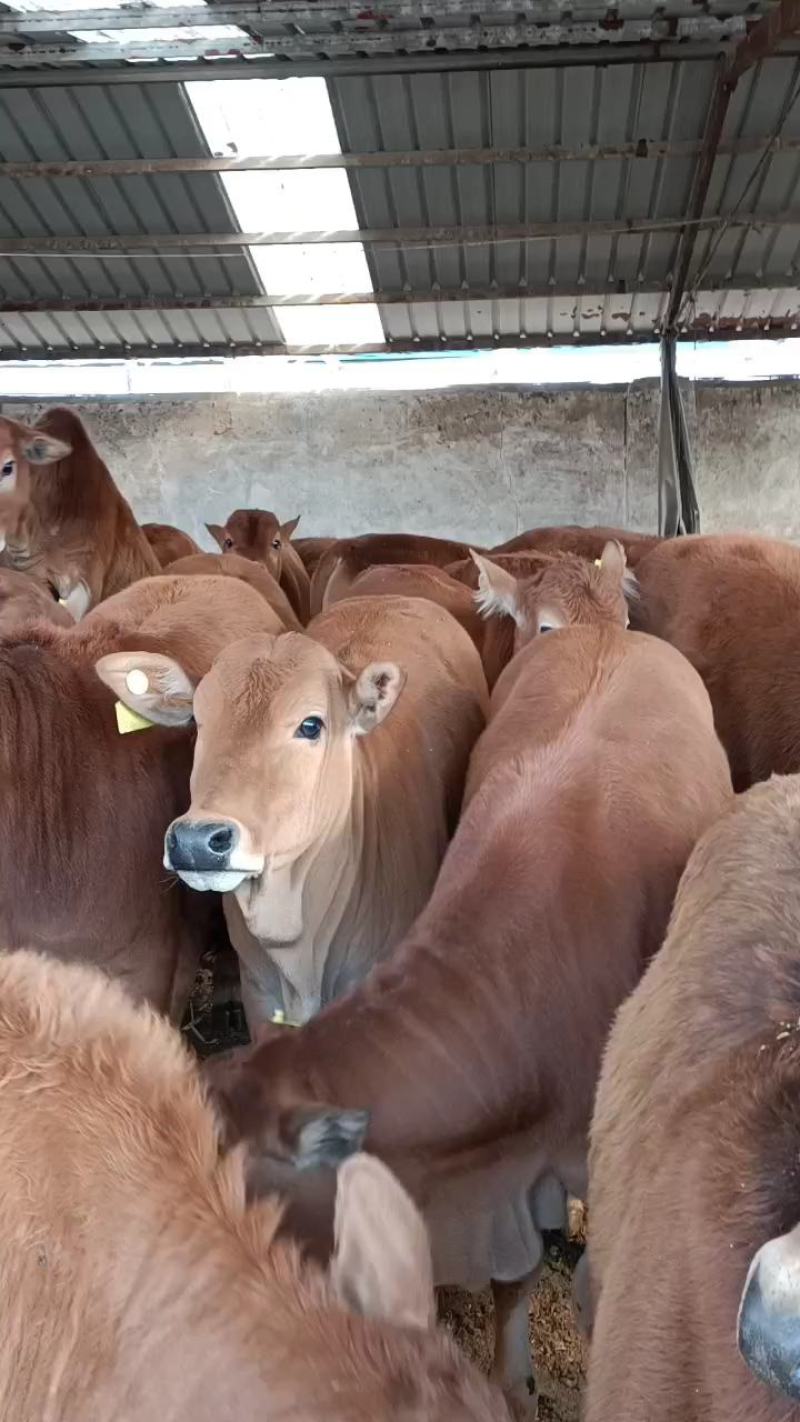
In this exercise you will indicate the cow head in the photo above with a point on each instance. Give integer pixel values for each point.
(20, 447)
(255, 534)
(568, 591)
(277, 720)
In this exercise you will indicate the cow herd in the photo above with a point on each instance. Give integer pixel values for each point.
(515, 902)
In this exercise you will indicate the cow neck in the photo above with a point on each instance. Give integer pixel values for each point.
(416, 1042)
(297, 909)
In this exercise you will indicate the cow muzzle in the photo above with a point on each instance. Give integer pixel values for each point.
(769, 1318)
(209, 854)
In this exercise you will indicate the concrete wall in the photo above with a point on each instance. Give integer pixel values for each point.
(473, 464)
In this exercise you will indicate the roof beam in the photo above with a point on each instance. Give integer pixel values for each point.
(746, 329)
(400, 237)
(414, 158)
(763, 40)
(72, 70)
(587, 291)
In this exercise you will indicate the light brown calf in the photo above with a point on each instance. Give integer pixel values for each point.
(320, 815)
(68, 522)
(476, 1048)
(348, 557)
(694, 1199)
(560, 591)
(168, 543)
(231, 565)
(83, 808)
(257, 534)
(137, 1281)
(731, 603)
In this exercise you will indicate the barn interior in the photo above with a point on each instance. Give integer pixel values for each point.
(423, 267)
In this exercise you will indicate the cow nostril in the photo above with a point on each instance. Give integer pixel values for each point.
(221, 841)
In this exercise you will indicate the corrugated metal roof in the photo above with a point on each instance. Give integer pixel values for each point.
(600, 284)
(589, 285)
(147, 120)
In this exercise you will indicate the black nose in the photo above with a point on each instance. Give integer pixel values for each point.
(769, 1340)
(201, 845)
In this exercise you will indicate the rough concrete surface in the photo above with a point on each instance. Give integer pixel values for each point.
(475, 464)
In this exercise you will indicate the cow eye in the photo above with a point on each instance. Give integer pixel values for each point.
(546, 627)
(227, 543)
(311, 729)
(8, 468)
(276, 543)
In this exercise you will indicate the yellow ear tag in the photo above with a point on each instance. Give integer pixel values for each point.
(62, 602)
(128, 720)
(598, 563)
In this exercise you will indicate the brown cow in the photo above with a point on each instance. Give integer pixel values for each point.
(23, 597)
(310, 550)
(168, 543)
(325, 838)
(231, 565)
(72, 525)
(476, 1048)
(523, 594)
(137, 1281)
(694, 1199)
(731, 603)
(585, 542)
(348, 557)
(257, 534)
(84, 808)
(416, 580)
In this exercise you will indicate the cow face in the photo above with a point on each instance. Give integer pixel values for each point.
(569, 591)
(255, 534)
(20, 447)
(277, 722)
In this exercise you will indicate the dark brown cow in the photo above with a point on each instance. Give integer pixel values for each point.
(231, 565)
(84, 808)
(327, 781)
(585, 542)
(257, 534)
(731, 604)
(694, 1198)
(476, 1048)
(348, 557)
(168, 543)
(72, 526)
(23, 597)
(139, 1284)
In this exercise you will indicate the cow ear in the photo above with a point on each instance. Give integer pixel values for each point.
(217, 532)
(40, 448)
(374, 694)
(613, 561)
(322, 1135)
(498, 591)
(150, 684)
(381, 1264)
(287, 529)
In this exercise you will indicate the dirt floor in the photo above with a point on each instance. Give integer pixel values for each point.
(558, 1349)
(215, 1022)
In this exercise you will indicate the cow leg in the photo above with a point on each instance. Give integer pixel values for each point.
(512, 1368)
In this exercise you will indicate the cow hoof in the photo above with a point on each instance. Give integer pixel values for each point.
(523, 1401)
